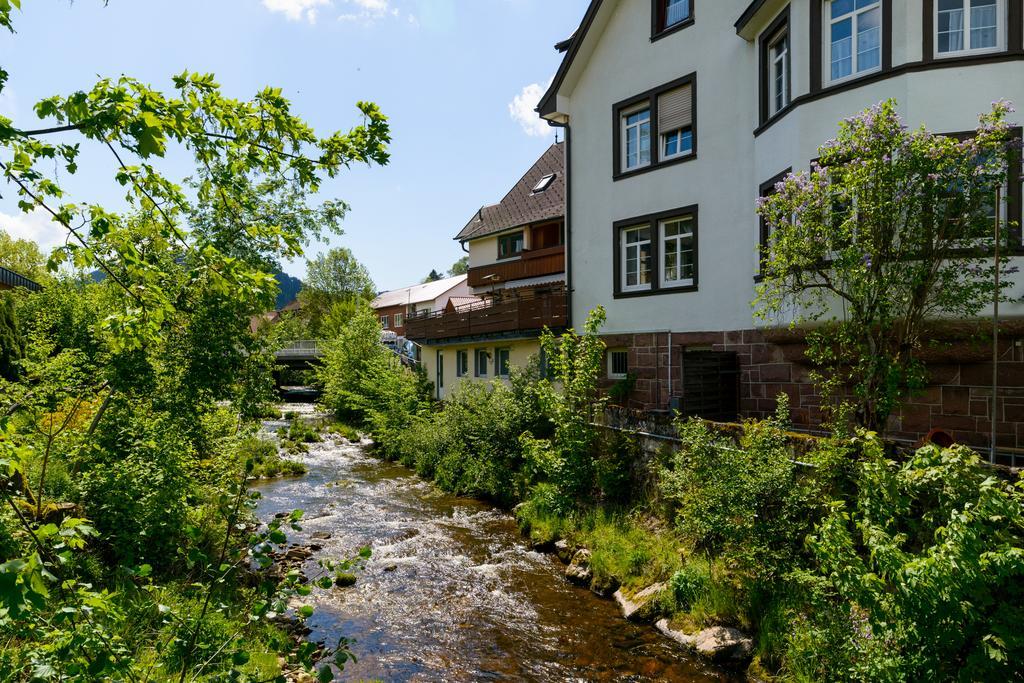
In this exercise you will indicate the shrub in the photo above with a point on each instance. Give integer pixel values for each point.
(928, 561)
(691, 583)
(743, 503)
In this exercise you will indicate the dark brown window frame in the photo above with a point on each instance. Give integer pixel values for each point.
(658, 10)
(651, 98)
(1014, 188)
(1014, 33)
(652, 220)
(780, 23)
(817, 33)
(767, 188)
(508, 236)
(1014, 52)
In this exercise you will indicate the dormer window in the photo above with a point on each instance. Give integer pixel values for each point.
(670, 15)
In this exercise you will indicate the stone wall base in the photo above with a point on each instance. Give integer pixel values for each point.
(958, 398)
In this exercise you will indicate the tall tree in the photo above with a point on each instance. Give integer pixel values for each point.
(433, 276)
(335, 282)
(460, 267)
(892, 229)
(23, 257)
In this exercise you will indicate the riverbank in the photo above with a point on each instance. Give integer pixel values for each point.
(452, 590)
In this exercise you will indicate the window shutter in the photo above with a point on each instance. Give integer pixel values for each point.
(675, 109)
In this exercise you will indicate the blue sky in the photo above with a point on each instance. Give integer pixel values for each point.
(449, 74)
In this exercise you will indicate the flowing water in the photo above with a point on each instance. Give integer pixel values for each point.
(451, 592)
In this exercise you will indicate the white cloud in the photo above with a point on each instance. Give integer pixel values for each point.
(522, 109)
(369, 12)
(35, 226)
(299, 10)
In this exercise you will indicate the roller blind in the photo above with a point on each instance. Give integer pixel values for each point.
(675, 109)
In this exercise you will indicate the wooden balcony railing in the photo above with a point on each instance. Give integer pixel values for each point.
(531, 264)
(511, 312)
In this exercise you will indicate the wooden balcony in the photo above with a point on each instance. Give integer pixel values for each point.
(527, 311)
(535, 263)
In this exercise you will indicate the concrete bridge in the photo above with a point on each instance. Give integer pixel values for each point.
(301, 353)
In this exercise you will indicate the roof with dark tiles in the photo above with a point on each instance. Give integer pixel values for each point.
(521, 206)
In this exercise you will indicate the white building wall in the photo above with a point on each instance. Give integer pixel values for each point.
(731, 162)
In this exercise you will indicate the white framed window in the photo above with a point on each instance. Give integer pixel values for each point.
(481, 360)
(636, 258)
(384, 321)
(502, 362)
(676, 12)
(964, 26)
(636, 139)
(778, 76)
(399, 319)
(461, 363)
(675, 122)
(618, 364)
(854, 30)
(678, 253)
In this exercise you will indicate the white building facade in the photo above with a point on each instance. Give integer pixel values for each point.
(680, 113)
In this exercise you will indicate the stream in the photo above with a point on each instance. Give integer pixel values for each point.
(452, 592)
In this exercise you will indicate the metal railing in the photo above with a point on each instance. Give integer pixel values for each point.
(304, 348)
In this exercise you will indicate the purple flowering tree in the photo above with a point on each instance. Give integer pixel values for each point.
(891, 229)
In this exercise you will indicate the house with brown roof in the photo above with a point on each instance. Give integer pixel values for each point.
(395, 306)
(516, 278)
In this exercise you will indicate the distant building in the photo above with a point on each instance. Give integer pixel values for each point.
(11, 280)
(395, 306)
(517, 280)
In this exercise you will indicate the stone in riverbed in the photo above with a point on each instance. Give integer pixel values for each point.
(642, 605)
(719, 643)
(320, 535)
(579, 571)
(564, 551)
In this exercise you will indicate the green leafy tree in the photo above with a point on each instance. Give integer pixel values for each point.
(433, 276)
(892, 228)
(23, 257)
(12, 348)
(336, 284)
(564, 464)
(460, 267)
(128, 399)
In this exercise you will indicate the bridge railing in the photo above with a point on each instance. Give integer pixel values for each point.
(303, 348)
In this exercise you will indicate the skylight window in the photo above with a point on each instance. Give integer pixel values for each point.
(543, 184)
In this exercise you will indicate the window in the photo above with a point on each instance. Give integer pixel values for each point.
(636, 258)
(461, 363)
(766, 190)
(481, 358)
(677, 252)
(618, 364)
(778, 54)
(967, 26)
(399, 319)
(675, 122)
(510, 245)
(656, 253)
(547, 236)
(669, 14)
(384, 321)
(543, 184)
(440, 371)
(656, 128)
(855, 37)
(636, 139)
(501, 362)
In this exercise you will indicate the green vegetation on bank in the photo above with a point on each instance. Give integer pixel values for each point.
(129, 386)
(842, 562)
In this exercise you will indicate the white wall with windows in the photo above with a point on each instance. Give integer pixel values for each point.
(481, 361)
(615, 261)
